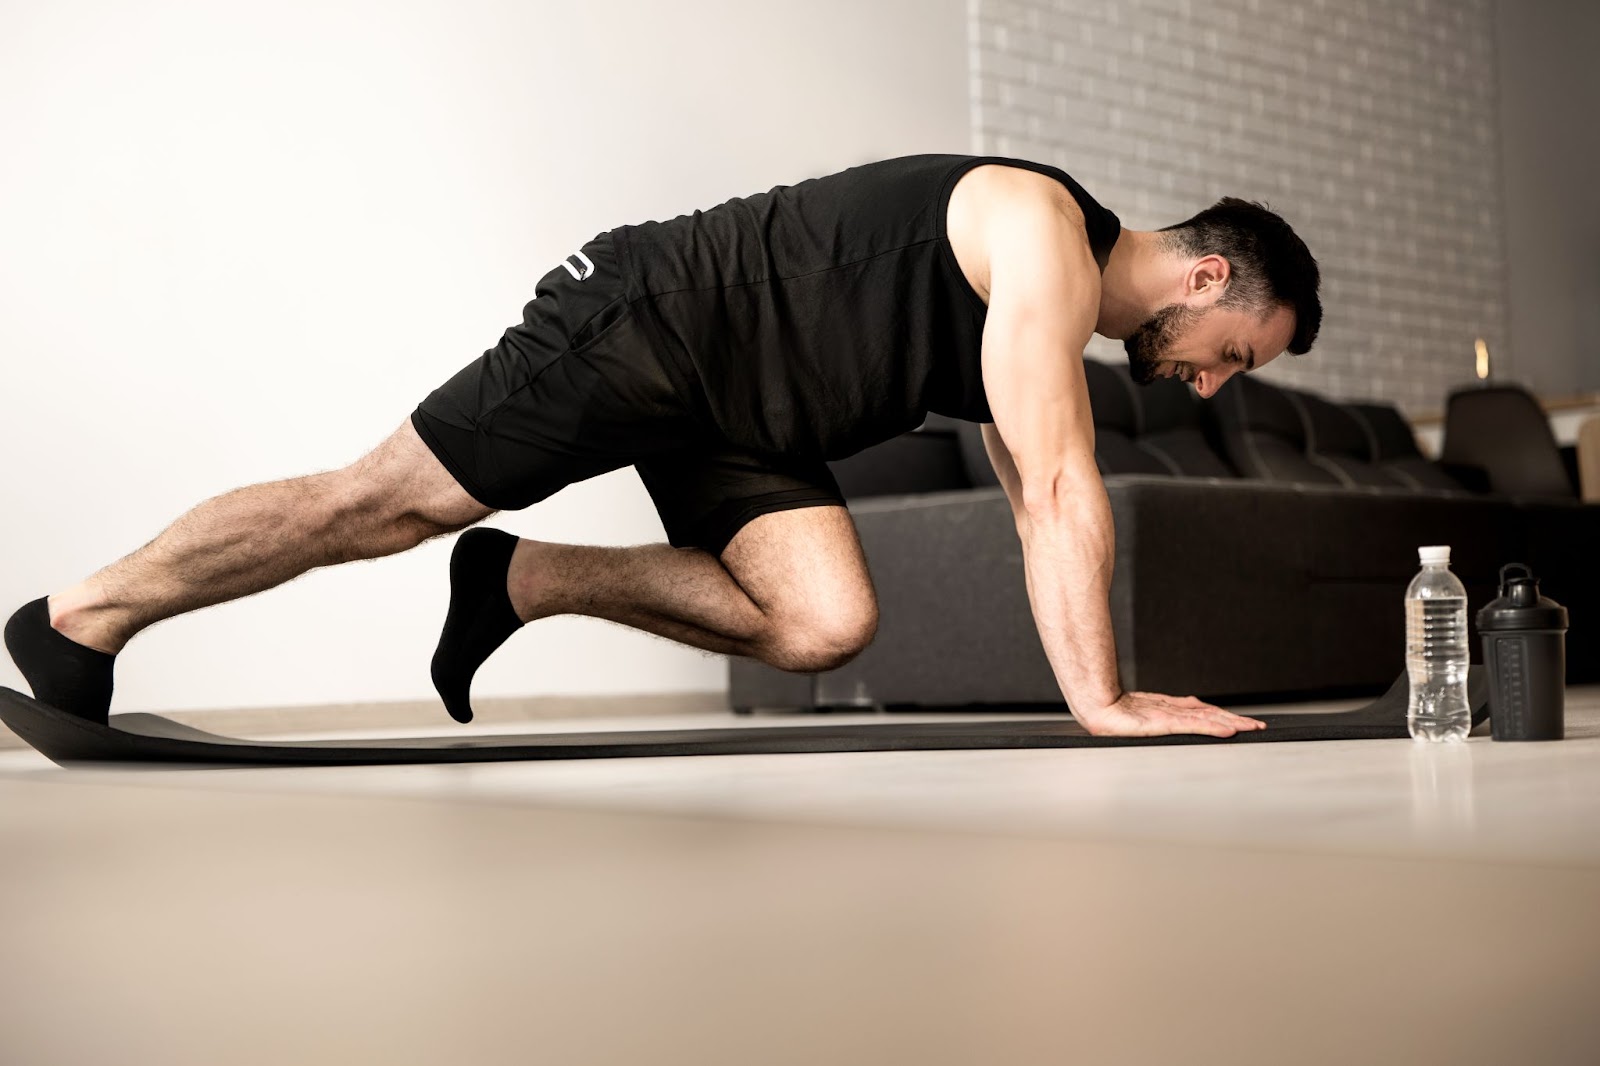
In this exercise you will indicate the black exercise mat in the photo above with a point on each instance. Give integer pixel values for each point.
(150, 738)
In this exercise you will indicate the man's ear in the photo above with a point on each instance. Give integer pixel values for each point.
(1208, 276)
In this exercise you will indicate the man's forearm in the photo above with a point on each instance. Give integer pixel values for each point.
(1068, 547)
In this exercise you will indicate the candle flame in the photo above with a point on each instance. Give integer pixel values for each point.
(1483, 359)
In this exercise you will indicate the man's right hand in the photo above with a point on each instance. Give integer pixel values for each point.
(1151, 714)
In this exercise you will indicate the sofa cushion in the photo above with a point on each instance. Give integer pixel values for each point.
(1264, 434)
(1148, 429)
(1176, 428)
(1336, 440)
(1118, 423)
(927, 459)
(1394, 447)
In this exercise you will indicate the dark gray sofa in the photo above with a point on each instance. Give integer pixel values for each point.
(1265, 539)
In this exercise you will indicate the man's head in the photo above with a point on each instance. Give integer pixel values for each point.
(1245, 290)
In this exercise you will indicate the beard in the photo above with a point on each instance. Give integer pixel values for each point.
(1148, 345)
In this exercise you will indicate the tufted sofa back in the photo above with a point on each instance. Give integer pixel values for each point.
(1158, 428)
(1282, 434)
(1250, 429)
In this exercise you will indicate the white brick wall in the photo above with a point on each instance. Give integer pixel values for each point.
(1370, 125)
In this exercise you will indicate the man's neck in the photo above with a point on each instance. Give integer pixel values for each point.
(1132, 287)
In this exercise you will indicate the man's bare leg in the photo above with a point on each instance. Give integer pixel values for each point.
(232, 546)
(790, 589)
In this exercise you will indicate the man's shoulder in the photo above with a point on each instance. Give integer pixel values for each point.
(1007, 189)
(1012, 212)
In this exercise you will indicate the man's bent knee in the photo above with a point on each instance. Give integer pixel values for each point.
(818, 646)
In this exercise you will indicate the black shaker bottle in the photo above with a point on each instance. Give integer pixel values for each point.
(1525, 649)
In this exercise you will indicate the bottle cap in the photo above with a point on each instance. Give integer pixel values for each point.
(1519, 605)
(1436, 554)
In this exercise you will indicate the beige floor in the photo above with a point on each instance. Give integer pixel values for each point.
(1374, 901)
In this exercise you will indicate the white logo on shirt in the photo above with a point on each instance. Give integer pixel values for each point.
(584, 268)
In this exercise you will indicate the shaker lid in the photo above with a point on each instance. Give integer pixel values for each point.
(1519, 605)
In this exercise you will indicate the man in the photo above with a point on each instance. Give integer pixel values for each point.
(728, 355)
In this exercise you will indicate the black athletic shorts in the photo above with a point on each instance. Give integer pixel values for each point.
(577, 390)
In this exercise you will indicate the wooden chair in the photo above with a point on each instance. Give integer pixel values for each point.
(1589, 459)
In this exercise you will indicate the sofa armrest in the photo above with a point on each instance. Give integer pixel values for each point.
(1239, 587)
(1474, 478)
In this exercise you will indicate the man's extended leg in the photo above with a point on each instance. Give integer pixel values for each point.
(231, 546)
(790, 589)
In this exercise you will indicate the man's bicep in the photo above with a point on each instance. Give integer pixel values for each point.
(1043, 303)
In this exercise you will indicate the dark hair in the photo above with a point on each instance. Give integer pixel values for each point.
(1269, 264)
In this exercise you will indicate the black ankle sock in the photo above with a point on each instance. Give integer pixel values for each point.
(480, 618)
(62, 673)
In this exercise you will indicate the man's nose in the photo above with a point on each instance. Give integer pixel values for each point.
(1211, 380)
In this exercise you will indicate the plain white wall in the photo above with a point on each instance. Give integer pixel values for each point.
(240, 242)
(1550, 156)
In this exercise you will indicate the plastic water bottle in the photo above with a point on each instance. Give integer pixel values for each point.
(1437, 653)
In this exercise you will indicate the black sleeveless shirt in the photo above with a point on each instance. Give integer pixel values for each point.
(820, 318)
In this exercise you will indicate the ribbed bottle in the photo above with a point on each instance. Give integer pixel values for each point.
(1437, 652)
